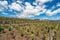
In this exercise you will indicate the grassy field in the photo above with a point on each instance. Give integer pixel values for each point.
(27, 29)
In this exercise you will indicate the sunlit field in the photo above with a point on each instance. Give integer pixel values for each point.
(27, 29)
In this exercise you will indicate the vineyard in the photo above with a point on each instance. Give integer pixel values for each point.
(27, 29)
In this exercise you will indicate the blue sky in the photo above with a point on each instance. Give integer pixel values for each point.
(33, 9)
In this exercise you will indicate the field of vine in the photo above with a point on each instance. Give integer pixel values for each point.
(27, 29)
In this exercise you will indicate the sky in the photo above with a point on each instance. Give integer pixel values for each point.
(31, 9)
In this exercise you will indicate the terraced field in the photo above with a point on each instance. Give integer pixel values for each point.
(26, 29)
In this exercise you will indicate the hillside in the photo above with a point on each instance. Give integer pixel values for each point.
(27, 29)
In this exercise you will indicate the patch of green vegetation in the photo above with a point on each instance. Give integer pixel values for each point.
(45, 31)
(38, 32)
(21, 33)
(1, 29)
(10, 28)
(32, 36)
(32, 31)
(55, 31)
(44, 36)
(16, 26)
(28, 30)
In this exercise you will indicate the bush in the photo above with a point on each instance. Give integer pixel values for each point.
(44, 37)
(21, 33)
(55, 31)
(45, 31)
(32, 31)
(28, 30)
(38, 32)
(32, 36)
(16, 27)
(10, 28)
(1, 29)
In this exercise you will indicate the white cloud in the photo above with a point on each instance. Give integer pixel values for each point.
(28, 10)
(16, 0)
(58, 18)
(15, 6)
(1, 9)
(31, 11)
(34, 3)
(19, 1)
(4, 13)
(58, 4)
(3, 5)
(24, 16)
(43, 1)
(50, 13)
(44, 18)
(53, 7)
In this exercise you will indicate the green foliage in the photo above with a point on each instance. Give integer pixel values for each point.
(28, 30)
(38, 32)
(55, 31)
(1, 29)
(32, 31)
(16, 27)
(21, 33)
(59, 26)
(32, 36)
(45, 31)
(44, 36)
(10, 28)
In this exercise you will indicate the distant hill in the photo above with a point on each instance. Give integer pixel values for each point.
(19, 20)
(58, 20)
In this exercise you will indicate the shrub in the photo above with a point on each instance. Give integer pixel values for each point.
(32, 36)
(55, 31)
(21, 33)
(38, 32)
(1, 29)
(16, 27)
(28, 30)
(45, 31)
(32, 31)
(10, 28)
(44, 37)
